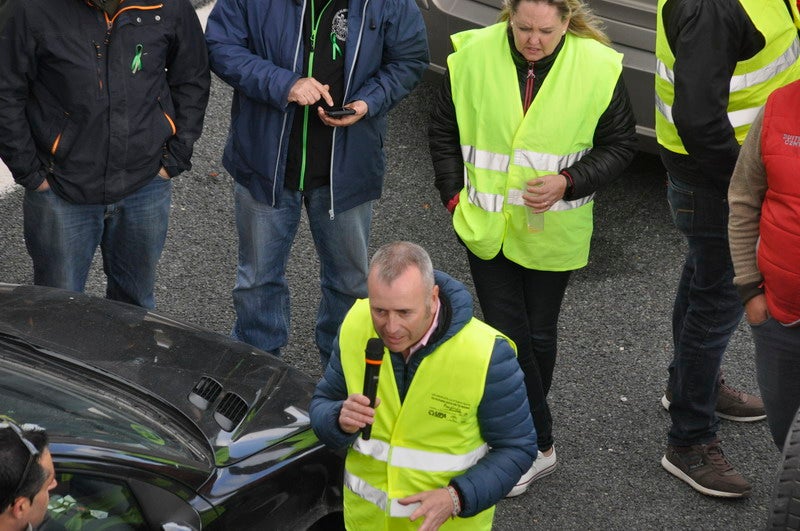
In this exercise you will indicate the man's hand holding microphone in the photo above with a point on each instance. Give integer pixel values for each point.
(358, 410)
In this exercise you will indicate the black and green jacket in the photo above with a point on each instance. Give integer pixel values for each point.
(96, 103)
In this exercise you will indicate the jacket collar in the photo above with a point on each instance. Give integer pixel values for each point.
(109, 6)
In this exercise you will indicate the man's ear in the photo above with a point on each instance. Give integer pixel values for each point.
(19, 507)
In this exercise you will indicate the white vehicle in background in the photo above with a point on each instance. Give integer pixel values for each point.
(631, 25)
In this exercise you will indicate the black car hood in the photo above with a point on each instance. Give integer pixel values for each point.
(247, 400)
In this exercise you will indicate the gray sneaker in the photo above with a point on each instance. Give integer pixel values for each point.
(706, 469)
(732, 404)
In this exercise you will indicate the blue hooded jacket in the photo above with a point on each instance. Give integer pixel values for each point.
(256, 46)
(503, 413)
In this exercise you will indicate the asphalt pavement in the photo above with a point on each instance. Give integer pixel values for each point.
(614, 330)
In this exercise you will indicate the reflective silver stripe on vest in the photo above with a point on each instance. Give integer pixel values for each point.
(664, 73)
(743, 117)
(736, 118)
(528, 159)
(489, 160)
(785, 61)
(664, 109)
(485, 160)
(515, 198)
(367, 492)
(743, 81)
(418, 459)
(546, 161)
(483, 200)
(494, 202)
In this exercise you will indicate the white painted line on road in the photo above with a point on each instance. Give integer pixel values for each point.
(7, 183)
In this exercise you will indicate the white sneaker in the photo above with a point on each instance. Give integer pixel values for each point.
(541, 467)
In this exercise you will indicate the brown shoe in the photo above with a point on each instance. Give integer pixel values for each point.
(739, 406)
(732, 404)
(706, 469)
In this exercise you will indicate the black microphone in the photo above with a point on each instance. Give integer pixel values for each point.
(374, 358)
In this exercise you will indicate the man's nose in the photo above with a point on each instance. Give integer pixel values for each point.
(391, 322)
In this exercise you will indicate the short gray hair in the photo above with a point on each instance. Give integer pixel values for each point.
(391, 261)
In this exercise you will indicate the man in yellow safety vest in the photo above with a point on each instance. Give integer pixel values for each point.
(451, 430)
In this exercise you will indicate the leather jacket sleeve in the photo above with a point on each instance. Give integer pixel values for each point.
(444, 144)
(707, 40)
(614, 147)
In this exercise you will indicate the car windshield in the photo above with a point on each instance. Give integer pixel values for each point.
(84, 412)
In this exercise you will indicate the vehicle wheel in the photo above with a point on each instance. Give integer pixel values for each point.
(784, 510)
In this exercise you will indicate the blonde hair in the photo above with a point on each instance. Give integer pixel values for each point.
(582, 21)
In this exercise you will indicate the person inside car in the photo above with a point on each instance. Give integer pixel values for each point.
(26, 476)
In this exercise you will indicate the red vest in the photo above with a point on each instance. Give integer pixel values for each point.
(779, 246)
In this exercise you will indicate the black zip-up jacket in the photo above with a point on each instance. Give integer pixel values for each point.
(614, 138)
(707, 40)
(75, 110)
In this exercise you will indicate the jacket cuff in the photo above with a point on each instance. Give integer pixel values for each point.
(467, 508)
(750, 290)
(34, 180)
(451, 205)
(170, 163)
(570, 185)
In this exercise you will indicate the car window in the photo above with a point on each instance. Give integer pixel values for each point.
(85, 502)
(84, 412)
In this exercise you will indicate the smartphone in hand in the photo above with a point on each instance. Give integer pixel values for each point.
(338, 112)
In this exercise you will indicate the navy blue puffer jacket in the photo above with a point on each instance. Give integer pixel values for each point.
(503, 413)
(256, 46)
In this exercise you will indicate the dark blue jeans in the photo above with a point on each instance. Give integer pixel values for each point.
(62, 238)
(524, 304)
(778, 372)
(707, 310)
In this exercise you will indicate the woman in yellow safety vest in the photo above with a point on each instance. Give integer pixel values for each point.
(532, 118)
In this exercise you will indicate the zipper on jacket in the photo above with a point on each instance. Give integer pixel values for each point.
(171, 122)
(529, 81)
(315, 21)
(348, 80)
(56, 142)
(98, 55)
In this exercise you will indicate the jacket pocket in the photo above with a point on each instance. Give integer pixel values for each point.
(61, 140)
(168, 117)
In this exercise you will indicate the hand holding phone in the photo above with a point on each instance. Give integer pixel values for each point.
(338, 112)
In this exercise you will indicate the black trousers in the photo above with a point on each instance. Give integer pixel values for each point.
(524, 305)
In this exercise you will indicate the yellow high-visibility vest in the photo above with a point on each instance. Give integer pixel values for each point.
(753, 79)
(421, 443)
(503, 148)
